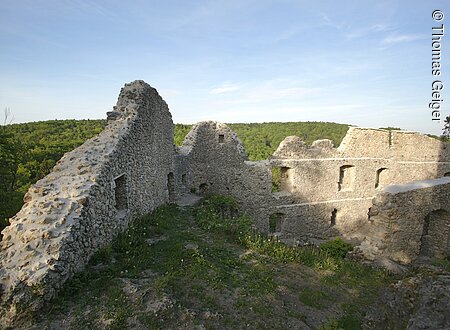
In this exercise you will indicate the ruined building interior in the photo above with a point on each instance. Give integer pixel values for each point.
(387, 192)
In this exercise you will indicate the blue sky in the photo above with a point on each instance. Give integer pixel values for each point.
(366, 63)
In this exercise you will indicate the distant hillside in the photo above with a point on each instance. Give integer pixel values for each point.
(261, 140)
(29, 151)
(45, 143)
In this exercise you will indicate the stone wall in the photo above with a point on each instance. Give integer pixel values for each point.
(92, 194)
(328, 191)
(325, 191)
(214, 161)
(410, 221)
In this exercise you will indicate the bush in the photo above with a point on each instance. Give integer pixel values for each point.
(3, 224)
(10, 204)
(336, 248)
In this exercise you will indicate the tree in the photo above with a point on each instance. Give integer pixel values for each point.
(446, 129)
(12, 154)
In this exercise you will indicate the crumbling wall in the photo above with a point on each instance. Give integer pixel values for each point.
(409, 221)
(92, 194)
(329, 190)
(214, 160)
(324, 191)
(319, 221)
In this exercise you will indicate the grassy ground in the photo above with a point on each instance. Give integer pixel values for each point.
(203, 267)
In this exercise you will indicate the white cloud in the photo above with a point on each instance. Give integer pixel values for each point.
(327, 21)
(362, 32)
(225, 88)
(380, 27)
(396, 39)
(276, 90)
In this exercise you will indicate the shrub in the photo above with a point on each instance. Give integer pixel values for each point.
(336, 248)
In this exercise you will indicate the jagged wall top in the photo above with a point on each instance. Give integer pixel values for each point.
(295, 147)
(369, 143)
(211, 130)
(130, 95)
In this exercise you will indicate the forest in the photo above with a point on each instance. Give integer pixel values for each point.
(29, 151)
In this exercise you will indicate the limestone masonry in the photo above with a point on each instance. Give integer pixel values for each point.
(387, 192)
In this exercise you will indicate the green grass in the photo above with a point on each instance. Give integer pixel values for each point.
(206, 266)
(347, 322)
(315, 298)
(442, 263)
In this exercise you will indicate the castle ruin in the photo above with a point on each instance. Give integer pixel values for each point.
(387, 192)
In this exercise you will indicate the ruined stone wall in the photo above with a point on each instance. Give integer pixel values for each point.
(409, 221)
(91, 194)
(327, 191)
(319, 221)
(183, 181)
(214, 161)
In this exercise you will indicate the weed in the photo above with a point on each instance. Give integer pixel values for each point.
(38, 289)
(442, 263)
(102, 256)
(350, 322)
(347, 322)
(336, 248)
